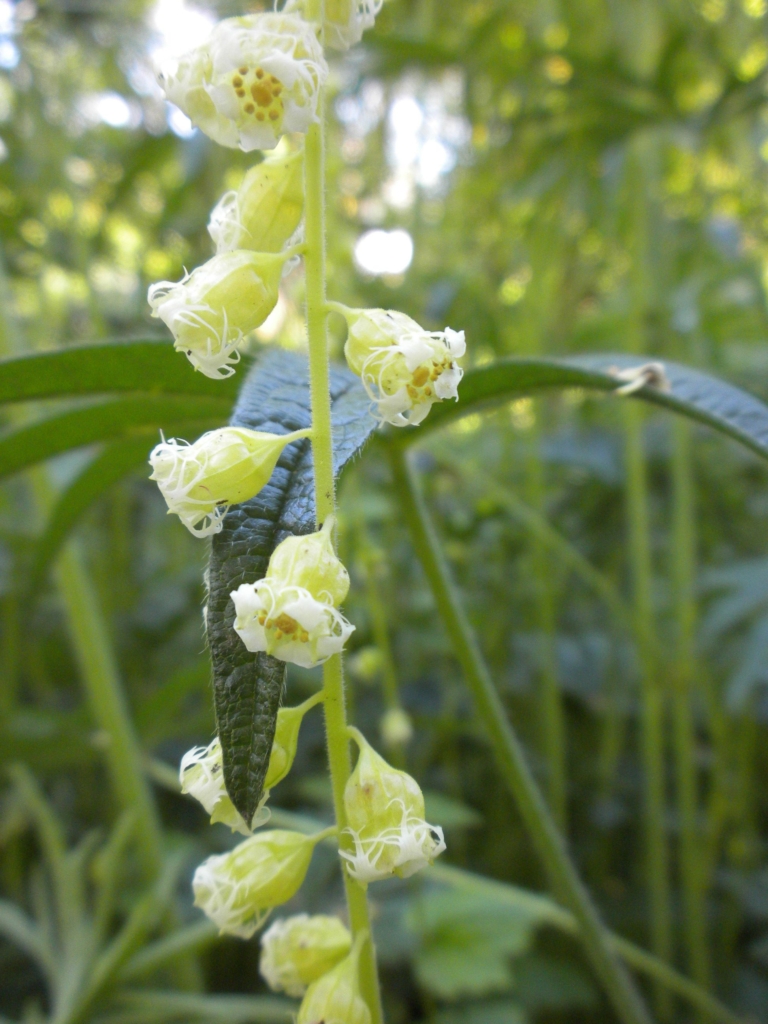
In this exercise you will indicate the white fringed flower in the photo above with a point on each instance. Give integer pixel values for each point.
(265, 212)
(295, 951)
(291, 613)
(202, 776)
(289, 623)
(404, 368)
(210, 311)
(385, 811)
(335, 998)
(257, 77)
(237, 890)
(344, 21)
(223, 467)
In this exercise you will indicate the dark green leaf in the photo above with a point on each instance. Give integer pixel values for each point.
(24, 446)
(694, 394)
(248, 687)
(109, 466)
(147, 366)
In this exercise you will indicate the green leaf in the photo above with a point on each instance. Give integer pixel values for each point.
(25, 446)
(109, 466)
(548, 982)
(17, 928)
(692, 393)
(147, 366)
(492, 1011)
(248, 687)
(466, 943)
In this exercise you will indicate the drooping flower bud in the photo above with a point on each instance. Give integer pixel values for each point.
(202, 770)
(286, 740)
(210, 311)
(404, 368)
(385, 813)
(237, 890)
(202, 776)
(344, 20)
(292, 613)
(396, 727)
(257, 77)
(295, 951)
(223, 467)
(335, 998)
(264, 213)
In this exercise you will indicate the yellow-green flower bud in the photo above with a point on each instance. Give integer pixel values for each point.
(223, 467)
(264, 213)
(396, 727)
(287, 740)
(295, 951)
(291, 613)
(202, 776)
(335, 998)
(257, 77)
(385, 813)
(344, 20)
(210, 311)
(237, 890)
(404, 368)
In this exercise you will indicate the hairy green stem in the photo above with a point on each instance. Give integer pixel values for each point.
(652, 697)
(510, 756)
(683, 570)
(322, 452)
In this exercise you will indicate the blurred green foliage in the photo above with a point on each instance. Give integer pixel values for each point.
(583, 176)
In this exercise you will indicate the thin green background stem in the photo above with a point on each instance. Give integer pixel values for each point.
(651, 695)
(639, 171)
(101, 679)
(552, 715)
(683, 570)
(322, 451)
(510, 756)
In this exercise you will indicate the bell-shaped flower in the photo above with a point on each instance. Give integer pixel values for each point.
(292, 613)
(223, 467)
(385, 817)
(404, 368)
(210, 311)
(264, 213)
(295, 951)
(237, 890)
(344, 20)
(335, 998)
(254, 79)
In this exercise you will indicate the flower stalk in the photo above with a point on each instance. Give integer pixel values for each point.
(325, 503)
